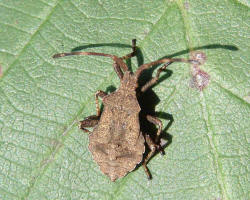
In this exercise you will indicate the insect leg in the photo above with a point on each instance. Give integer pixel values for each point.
(155, 79)
(100, 94)
(153, 148)
(93, 120)
(89, 121)
(156, 122)
(132, 54)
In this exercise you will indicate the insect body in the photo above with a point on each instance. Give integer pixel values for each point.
(117, 143)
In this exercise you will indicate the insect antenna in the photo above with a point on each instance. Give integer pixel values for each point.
(82, 53)
(162, 61)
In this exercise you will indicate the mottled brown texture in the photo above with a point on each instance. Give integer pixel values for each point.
(117, 143)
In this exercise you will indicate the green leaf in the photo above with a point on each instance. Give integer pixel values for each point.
(43, 154)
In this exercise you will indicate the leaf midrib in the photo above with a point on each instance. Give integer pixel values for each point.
(218, 172)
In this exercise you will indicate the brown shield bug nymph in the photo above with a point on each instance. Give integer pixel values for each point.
(116, 142)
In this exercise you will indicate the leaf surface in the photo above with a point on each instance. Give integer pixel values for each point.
(43, 154)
